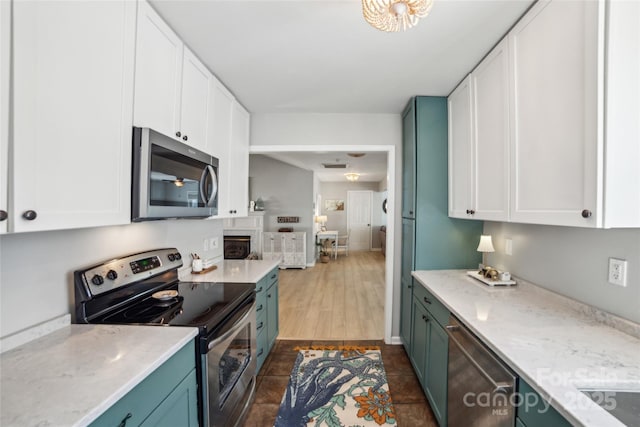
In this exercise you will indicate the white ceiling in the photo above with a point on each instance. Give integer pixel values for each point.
(372, 167)
(320, 56)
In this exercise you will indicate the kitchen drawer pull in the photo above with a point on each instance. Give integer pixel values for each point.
(273, 277)
(499, 386)
(123, 423)
(260, 325)
(427, 300)
(259, 289)
(259, 307)
(260, 352)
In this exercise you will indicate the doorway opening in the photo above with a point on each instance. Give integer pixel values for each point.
(389, 150)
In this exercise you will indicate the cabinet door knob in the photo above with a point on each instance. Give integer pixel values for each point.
(3, 215)
(470, 211)
(424, 318)
(29, 215)
(178, 134)
(184, 138)
(586, 213)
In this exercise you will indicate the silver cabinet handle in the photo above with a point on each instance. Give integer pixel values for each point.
(499, 386)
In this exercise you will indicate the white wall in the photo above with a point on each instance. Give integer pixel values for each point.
(36, 269)
(573, 262)
(337, 220)
(342, 130)
(286, 191)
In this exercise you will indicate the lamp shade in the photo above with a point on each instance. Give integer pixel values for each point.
(321, 219)
(486, 245)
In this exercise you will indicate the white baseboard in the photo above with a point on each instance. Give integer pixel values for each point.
(396, 341)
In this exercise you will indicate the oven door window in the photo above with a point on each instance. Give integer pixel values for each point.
(180, 181)
(233, 362)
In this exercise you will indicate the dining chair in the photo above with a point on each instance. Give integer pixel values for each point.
(343, 243)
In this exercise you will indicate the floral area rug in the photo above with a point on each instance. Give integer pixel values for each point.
(337, 387)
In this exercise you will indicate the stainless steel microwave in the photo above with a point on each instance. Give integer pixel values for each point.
(171, 179)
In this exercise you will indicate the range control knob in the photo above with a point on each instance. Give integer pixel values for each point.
(97, 280)
(112, 275)
(171, 257)
(178, 256)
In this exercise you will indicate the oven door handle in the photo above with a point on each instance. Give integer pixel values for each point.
(231, 332)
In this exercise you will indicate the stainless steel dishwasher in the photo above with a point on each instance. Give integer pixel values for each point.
(481, 388)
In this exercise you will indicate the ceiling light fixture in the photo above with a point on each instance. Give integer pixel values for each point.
(351, 176)
(395, 15)
(356, 154)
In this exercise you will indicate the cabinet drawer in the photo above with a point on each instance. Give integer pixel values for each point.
(431, 303)
(272, 277)
(537, 412)
(148, 395)
(261, 349)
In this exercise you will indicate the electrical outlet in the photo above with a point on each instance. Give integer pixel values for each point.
(617, 272)
(205, 245)
(213, 243)
(508, 246)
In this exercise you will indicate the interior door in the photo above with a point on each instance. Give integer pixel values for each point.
(359, 219)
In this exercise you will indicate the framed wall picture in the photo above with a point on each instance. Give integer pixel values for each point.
(333, 205)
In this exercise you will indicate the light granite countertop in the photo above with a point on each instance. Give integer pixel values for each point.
(554, 343)
(234, 271)
(71, 376)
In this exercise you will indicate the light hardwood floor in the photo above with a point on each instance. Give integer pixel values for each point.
(339, 300)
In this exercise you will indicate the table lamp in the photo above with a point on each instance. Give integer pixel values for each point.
(486, 245)
(322, 219)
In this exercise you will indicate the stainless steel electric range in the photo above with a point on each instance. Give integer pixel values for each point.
(144, 289)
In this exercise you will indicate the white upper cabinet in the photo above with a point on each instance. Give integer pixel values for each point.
(490, 99)
(5, 67)
(568, 120)
(239, 155)
(479, 141)
(460, 151)
(554, 178)
(230, 144)
(73, 65)
(194, 106)
(172, 85)
(220, 141)
(622, 116)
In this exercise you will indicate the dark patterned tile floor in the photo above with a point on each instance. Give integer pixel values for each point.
(412, 408)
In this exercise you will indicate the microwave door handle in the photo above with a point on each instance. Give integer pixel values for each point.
(202, 180)
(214, 185)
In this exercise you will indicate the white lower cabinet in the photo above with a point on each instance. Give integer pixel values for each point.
(568, 124)
(73, 72)
(289, 248)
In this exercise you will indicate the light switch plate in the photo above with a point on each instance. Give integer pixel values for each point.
(618, 272)
(508, 246)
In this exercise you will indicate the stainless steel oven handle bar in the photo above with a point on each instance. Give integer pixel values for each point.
(499, 386)
(239, 325)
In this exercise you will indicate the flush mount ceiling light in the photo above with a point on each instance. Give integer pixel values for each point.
(351, 176)
(395, 15)
(356, 154)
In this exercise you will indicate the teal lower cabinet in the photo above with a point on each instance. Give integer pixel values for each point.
(267, 325)
(167, 397)
(430, 351)
(534, 411)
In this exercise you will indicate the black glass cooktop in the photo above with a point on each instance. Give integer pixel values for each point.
(198, 304)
